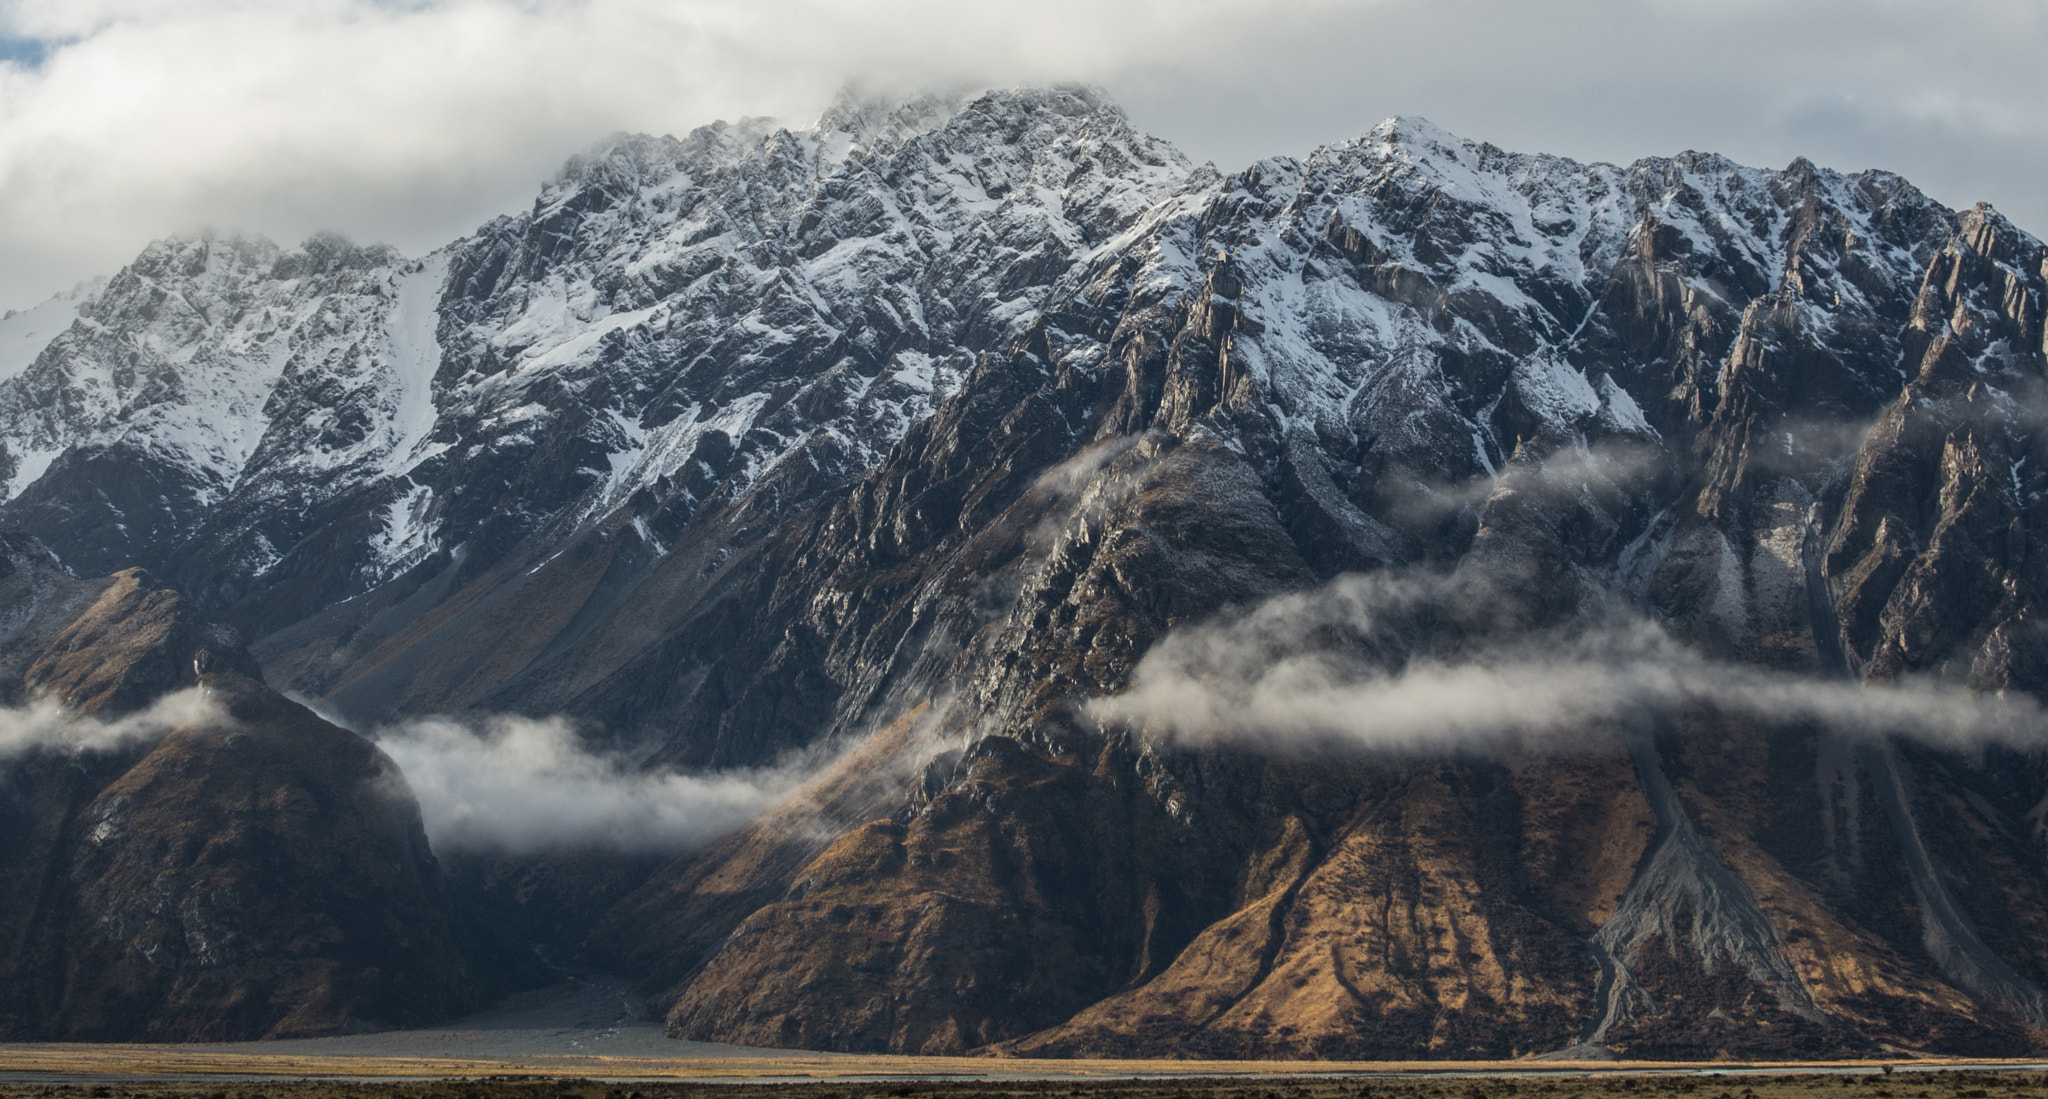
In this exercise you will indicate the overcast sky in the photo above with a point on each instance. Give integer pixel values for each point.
(411, 121)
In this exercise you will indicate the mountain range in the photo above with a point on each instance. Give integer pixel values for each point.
(1413, 600)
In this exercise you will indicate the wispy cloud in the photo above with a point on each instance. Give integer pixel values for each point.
(1340, 666)
(49, 726)
(520, 785)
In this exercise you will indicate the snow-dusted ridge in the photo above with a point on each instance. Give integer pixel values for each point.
(678, 321)
(893, 238)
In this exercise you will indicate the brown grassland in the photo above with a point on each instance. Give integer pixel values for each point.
(127, 1077)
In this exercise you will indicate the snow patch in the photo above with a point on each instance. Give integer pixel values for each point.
(24, 334)
(29, 465)
(1555, 390)
(415, 356)
(1620, 413)
(408, 535)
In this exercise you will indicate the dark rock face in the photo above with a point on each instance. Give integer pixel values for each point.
(236, 869)
(909, 433)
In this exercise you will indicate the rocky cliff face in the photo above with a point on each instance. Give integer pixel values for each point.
(917, 429)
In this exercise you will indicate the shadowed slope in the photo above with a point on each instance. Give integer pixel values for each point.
(240, 869)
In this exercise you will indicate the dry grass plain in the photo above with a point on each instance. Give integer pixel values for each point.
(167, 1072)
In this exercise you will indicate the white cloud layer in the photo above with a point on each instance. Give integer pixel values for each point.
(48, 726)
(522, 785)
(1326, 667)
(491, 783)
(412, 120)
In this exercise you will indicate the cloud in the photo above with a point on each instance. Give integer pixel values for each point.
(496, 783)
(1915, 86)
(1334, 666)
(1090, 486)
(413, 120)
(48, 726)
(522, 785)
(1570, 471)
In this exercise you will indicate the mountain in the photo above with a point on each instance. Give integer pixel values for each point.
(194, 857)
(902, 437)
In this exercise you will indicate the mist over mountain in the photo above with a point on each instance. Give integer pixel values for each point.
(961, 577)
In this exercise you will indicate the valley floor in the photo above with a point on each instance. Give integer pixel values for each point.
(1265, 1081)
(591, 1039)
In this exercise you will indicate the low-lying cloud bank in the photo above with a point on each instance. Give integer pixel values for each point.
(504, 784)
(1328, 667)
(522, 785)
(48, 726)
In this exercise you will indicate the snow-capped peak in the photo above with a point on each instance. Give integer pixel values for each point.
(678, 322)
